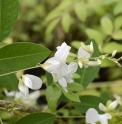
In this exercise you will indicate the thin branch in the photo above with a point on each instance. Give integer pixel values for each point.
(17, 107)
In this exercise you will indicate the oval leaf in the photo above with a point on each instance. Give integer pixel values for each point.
(19, 56)
(118, 8)
(8, 16)
(37, 118)
(118, 35)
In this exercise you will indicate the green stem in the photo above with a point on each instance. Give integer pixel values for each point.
(1, 121)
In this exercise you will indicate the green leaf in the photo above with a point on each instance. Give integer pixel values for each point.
(110, 47)
(9, 82)
(49, 78)
(66, 22)
(19, 56)
(74, 87)
(89, 101)
(107, 63)
(37, 118)
(8, 16)
(52, 96)
(118, 23)
(96, 35)
(88, 74)
(117, 35)
(71, 96)
(80, 10)
(51, 26)
(118, 8)
(106, 25)
(108, 1)
(76, 44)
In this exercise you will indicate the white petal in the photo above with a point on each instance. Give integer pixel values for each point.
(62, 82)
(91, 47)
(23, 88)
(83, 53)
(102, 107)
(113, 105)
(72, 68)
(104, 118)
(93, 63)
(54, 77)
(65, 89)
(33, 82)
(92, 116)
(34, 95)
(62, 53)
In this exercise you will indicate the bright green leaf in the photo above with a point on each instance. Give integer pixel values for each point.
(19, 56)
(8, 16)
(71, 96)
(88, 74)
(96, 35)
(81, 11)
(88, 101)
(106, 25)
(37, 118)
(52, 96)
(51, 26)
(110, 47)
(117, 35)
(76, 44)
(118, 8)
(108, 1)
(118, 23)
(66, 22)
(74, 87)
(9, 82)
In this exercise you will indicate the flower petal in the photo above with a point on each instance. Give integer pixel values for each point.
(33, 82)
(92, 116)
(94, 63)
(72, 68)
(23, 88)
(113, 105)
(104, 118)
(62, 82)
(102, 107)
(83, 53)
(62, 53)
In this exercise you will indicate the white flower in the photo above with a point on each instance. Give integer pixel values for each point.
(92, 117)
(84, 54)
(52, 64)
(112, 106)
(64, 74)
(29, 81)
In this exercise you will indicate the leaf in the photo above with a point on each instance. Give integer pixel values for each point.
(66, 22)
(106, 2)
(110, 47)
(9, 82)
(118, 35)
(89, 101)
(71, 96)
(118, 8)
(88, 74)
(49, 78)
(74, 87)
(118, 23)
(52, 96)
(37, 118)
(80, 10)
(19, 56)
(8, 16)
(96, 35)
(76, 44)
(51, 26)
(106, 25)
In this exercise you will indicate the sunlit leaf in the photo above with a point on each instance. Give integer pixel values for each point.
(118, 23)
(117, 35)
(118, 8)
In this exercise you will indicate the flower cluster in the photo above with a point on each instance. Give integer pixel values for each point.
(92, 115)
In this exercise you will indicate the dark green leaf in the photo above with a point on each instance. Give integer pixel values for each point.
(88, 74)
(88, 101)
(8, 16)
(49, 78)
(37, 118)
(19, 56)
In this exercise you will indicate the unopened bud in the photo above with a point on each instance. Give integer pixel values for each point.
(114, 53)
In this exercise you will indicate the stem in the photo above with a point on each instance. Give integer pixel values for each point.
(70, 116)
(1, 121)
